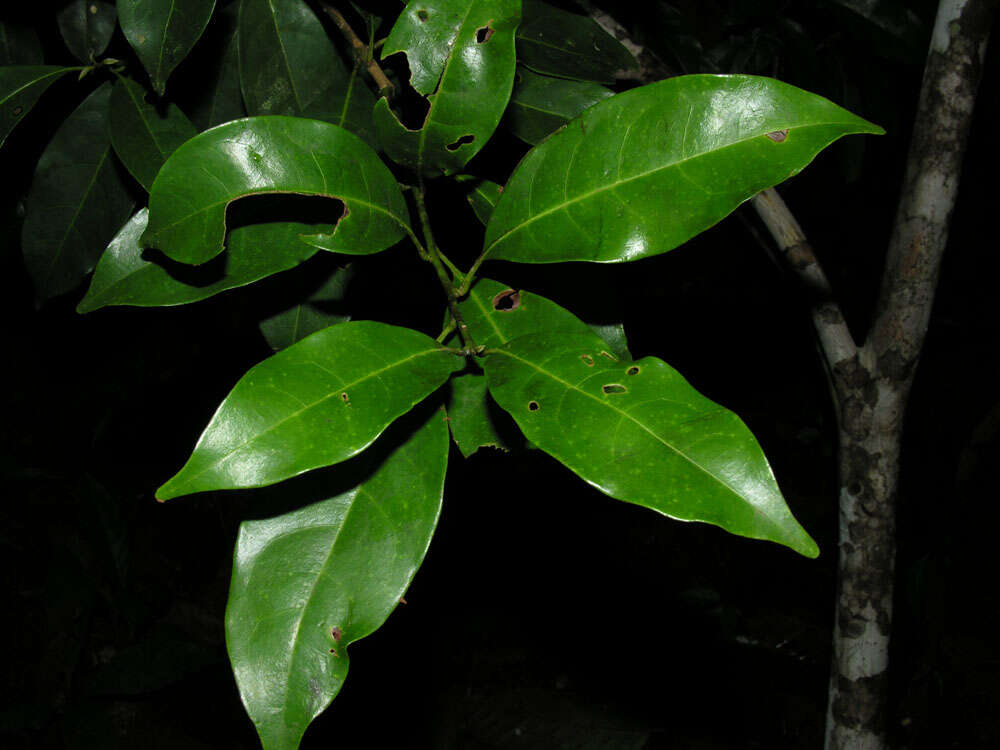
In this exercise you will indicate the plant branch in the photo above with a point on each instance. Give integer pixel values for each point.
(834, 336)
(362, 53)
(434, 257)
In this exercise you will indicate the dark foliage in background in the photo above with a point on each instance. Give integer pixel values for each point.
(544, 616)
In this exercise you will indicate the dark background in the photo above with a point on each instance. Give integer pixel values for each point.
(546, 614)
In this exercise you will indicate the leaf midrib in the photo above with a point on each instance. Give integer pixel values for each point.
(340, 388)
(613, 185)
(624, 414)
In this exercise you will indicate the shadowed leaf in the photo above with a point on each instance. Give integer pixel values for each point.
(163, 32)
(144, 135)
(86, 27)
(77, 200)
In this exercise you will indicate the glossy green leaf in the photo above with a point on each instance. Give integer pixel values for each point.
(483, 196)
(642, 172)
(474, 419)
(258, 155)
(219, 98)
(557, 43)
(144, 135)
(19, 45)
(639, 432)
(322, 309)
(495, 314)
(20, 88)
(314, 404)
(127, 275)
(77, 202)
(461, 58)
(163, 32)
(86, 27)
(289, 66)
(540, 105)
(307, 584)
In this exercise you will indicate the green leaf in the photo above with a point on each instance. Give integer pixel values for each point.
(20, 88)
(221, 99)
(461, 58)
(638, 432)
(309, 583)
(125, 275)
(77, 200)
(163, 32)
(86, 27)
(316, 403)
(495, 314)
(145, 135)
(322, 309)
(475, 421)
(483, 196)
(19, 45)
(556, 43)
(257, 155)
(289, 66)
(642, 172)
(540, 105)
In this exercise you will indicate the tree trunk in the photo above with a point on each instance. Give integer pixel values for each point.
(872, 387)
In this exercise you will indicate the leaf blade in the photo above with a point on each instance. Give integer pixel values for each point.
(289, 66)
(125, 277)
(540, 105)
(266, 429)
(322, 309)
(615, 185)
(20, 87)
(86, 27)
(77, 200)
(558, 43)
(639, 432)
(258, 155)
(461, 58)
(142, 137)
(332, 549)
(163, 32)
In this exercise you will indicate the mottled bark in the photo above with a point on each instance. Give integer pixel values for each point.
(872, 388)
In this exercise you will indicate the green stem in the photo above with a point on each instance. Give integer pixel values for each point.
(448, 330)
(470, 277)
(434, 256)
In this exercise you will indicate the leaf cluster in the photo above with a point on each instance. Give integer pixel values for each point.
(355, 114)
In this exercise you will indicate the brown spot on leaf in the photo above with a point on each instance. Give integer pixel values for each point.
(587, 360)
(533, 406)
(422, 15)
(609, 355)
(633, 370)
(507, 300)
(18, 111)
(336, 634)
(483, 35)
(345, 398)
(614, 388)
(778, 135)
